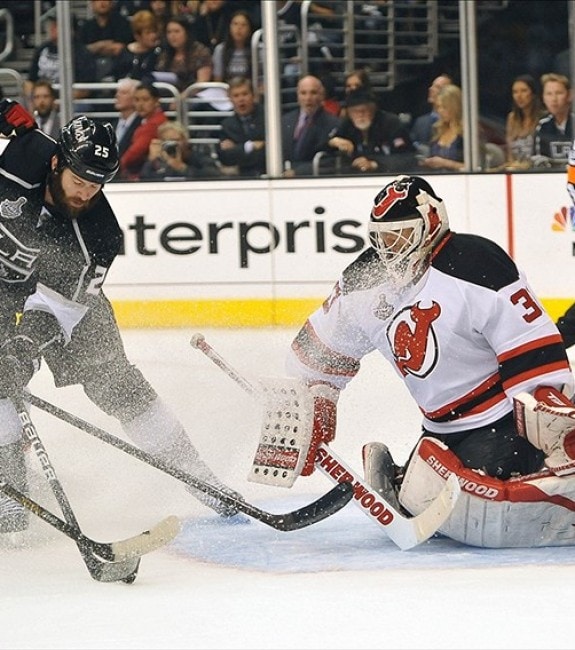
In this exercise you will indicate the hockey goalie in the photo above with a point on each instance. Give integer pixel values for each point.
(485, 364)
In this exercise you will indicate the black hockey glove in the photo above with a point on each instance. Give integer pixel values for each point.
(15, 119)
(16, 365)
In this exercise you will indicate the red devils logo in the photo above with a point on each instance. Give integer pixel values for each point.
(413, 339)
(434, 223)
(392, 195)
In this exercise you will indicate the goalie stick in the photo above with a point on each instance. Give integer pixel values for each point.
(326, 505)
(406, 532)
(130, 549)
(123, 569)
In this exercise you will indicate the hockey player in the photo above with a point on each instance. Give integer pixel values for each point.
(58, 239)
(485, 364)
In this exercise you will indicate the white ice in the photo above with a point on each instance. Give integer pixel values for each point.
(338, 584)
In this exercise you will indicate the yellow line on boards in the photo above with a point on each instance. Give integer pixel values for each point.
(240, 313)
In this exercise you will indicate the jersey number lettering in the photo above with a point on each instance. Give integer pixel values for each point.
(97, 281)
(100, 151)
(532, 309)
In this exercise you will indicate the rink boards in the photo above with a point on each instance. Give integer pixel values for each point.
(264, 252)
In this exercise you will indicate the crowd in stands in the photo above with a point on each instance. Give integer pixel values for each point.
(140, 43)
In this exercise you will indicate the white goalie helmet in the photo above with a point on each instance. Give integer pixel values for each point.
(407, 221)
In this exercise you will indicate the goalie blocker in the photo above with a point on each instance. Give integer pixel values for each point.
(527, 511)
(547, 420)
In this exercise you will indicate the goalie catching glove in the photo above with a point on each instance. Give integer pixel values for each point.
(547, 420)
(15, 119)
(296, 420)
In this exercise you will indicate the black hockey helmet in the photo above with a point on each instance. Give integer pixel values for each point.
(89, 149)
(407, 220)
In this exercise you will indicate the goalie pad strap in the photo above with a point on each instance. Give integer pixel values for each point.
(528, 511)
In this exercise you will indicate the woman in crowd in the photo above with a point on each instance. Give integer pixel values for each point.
(522, 120)
(140, 57)
(446, 145)
(170, 157)
(184, 59)
(232, 57)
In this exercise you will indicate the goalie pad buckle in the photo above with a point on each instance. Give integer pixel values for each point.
(286, 430)
(547, 420)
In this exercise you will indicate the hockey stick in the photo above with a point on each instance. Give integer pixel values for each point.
(406, 532)
(318, 510)
(127, 549)
(124, 570)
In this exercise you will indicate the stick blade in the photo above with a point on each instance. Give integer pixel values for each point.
(122, 571)
(427, 523)
(327, 505)
(150, 540)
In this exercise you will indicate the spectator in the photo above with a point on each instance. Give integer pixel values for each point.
(554, 132)
(45, 63)
(105, 35)
(422, 129)
(353, 80)
(331, 102)
(212, 22)
(147, 102)
(242, 136)
(521, 122)
(306, 130)
(184, 59)
(171, 157)
(163, 10)
(129, 119)
(446, 145)
(232, 57)
(139, 59)
(45, 108)
(372, 140)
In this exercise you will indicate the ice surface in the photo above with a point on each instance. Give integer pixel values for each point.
(338, 584)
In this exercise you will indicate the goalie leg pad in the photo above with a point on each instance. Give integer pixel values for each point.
(528, 511)
(547, 420)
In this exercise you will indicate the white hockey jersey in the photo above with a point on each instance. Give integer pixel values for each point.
(465, 339)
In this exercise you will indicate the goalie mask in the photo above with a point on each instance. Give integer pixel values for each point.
(407, 222)
(89, 149)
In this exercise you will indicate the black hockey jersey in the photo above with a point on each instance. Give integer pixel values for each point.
(48, 260)
(466, 338)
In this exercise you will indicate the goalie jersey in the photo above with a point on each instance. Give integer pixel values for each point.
(467, 337)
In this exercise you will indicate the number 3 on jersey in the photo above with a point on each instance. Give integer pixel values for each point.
(526, 300)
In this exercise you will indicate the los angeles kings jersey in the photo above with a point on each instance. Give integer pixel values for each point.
(466, 338)
(48, 260)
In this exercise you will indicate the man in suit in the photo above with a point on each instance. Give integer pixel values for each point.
(242, 136)
(128, 120)
(307, 129)
(45, 108)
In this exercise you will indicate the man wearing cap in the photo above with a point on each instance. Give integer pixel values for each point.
(371, 140)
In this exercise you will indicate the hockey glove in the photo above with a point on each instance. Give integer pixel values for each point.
(15, 119)
(547, 420)
(325, 399)
(16, 365)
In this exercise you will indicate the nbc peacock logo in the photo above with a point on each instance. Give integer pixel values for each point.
(564, 219)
